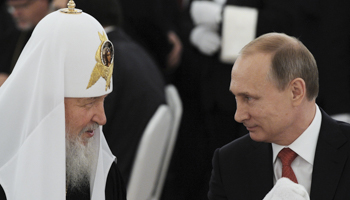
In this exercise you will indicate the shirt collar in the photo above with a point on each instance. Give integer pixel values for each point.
(305, 144)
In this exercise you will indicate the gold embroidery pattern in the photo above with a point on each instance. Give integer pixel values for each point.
(105, 62)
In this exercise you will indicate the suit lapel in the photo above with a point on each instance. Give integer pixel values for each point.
(329, 160)
(260, 170)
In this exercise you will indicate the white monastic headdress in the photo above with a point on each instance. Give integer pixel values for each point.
(66, 56)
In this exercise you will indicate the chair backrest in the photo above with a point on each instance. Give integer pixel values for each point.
(150, 155)
(155, 150)
(174, 101)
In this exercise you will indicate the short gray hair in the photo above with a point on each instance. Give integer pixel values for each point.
(290, 59)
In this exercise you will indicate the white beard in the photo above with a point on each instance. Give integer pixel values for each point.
(80, 160)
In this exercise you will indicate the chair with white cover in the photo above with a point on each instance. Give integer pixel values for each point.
(174, 101)
(149, 155)
(155, 149)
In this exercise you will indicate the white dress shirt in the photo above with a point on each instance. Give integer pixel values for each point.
(305, 147)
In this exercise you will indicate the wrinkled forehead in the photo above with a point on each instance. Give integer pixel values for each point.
(86, 99)
(248, 78)
(253, 68)
(257, 63)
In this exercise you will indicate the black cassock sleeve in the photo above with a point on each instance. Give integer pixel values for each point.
(115, 187)
(2, 194)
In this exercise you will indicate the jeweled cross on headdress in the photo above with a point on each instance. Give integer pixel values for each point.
(105, 62)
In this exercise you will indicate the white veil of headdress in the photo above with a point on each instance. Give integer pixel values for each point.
(56, 62)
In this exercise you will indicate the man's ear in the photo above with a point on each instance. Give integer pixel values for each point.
(298, 89)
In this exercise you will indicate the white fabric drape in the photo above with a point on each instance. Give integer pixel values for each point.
(56, 62)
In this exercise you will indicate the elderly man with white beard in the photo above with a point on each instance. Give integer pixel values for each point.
(52, 112)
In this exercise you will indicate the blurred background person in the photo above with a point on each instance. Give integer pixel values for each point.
(7, 27)
(151, 24)
(25, 16)
(323, 27)
(187, 178)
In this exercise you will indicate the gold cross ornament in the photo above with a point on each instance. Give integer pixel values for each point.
(105, 61)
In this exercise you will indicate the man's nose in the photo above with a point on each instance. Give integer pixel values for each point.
(100, 116)
(15, 12)
(241, 113)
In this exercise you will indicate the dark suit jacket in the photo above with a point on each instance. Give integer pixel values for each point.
(243, 169)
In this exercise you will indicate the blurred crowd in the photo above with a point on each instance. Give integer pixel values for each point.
(160, 42)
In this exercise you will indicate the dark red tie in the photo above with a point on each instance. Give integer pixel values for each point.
(287, 156)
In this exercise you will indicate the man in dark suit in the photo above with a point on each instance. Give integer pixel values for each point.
(210, 93)
(275, 81)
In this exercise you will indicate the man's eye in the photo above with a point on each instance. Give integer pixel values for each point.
(247, 98)
(88, 104)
